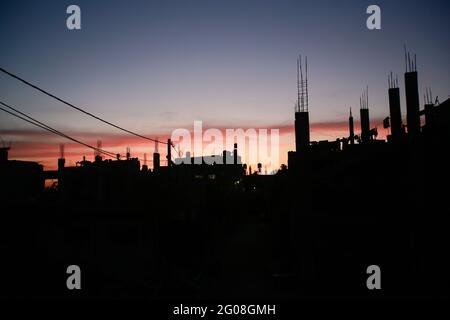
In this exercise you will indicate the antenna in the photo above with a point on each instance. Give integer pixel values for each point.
(409, 63)
(367, 97)
(99, 147)
(302, 86)
(156, 145)
(362, 100)
(298, 87)
(145, 159)
(306, 83)
(302, 93)
(61, 150)
(393, 83)
(406, 59)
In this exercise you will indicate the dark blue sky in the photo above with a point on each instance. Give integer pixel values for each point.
(153, 66)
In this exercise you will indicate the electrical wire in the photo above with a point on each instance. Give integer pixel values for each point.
(77, 108)
(50, 129)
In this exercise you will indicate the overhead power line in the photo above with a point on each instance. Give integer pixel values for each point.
(77, 108)
(18, 114)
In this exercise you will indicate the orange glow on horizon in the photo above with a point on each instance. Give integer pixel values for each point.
(43, 147)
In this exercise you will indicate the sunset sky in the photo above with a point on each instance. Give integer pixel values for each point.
(154, 66)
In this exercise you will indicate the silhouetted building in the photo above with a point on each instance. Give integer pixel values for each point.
(364, 116)
(302, 138)
(225, 158)
(412, 98)
(227, 165)
(429, 114)
(169, 153)
(156, 161)
(100, 181)
(61, 163)
(19, 180)
(437, 122)
(4, 154)
(365, 125)
(351, 128)
(394, 110)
